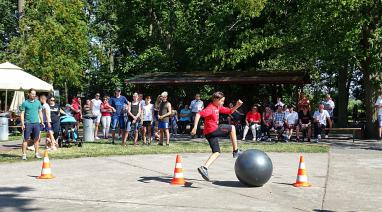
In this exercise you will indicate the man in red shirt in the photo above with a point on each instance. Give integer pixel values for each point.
(212, 129)
(252, 120)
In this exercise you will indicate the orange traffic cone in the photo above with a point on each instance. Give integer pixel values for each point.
(178, 178)
(302, 178)
(46, 172)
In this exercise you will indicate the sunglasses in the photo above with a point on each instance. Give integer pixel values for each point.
(52, 100)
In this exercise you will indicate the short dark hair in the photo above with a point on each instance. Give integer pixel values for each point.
(32, 89)
(147, 97)
(217, 95)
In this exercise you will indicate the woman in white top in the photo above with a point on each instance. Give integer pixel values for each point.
(96, 110)
(147, 119)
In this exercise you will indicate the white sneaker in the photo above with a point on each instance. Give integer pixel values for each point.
(24, 157)
(243, 139)
(326, 136)
(97, 138)
(319, 137)
(31, 148)
(254, 139)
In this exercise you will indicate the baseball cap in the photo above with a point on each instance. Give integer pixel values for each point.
(117, 89)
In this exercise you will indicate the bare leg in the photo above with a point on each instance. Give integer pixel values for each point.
(380, 132)
(167, 136)
(149, 133)
(136, 137)
(113, 135)
(144, 131)
(160, 136)
(36, 145)
(125, 134)
(211, 159)
(24, 146)
(232, 136)
(96, 129)
(298, 132)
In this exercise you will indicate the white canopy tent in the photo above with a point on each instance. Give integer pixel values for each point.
(13, 78)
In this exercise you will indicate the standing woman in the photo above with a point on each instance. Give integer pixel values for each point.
(50, 142)
(106, 110)
(148, 117)
(96, 110)
(55, 118)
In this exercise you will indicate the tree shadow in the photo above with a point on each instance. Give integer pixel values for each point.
(9, 155)
(319, 210)
(232, 184)
(10, 198)
(163, 179)
(358, 145)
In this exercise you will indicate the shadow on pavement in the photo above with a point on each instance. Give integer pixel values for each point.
(318, 210)
(232, 184)
(288, 184)
(10, 198)
(163, 179)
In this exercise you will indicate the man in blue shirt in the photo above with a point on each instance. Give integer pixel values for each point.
(31, 119)
(119, 103)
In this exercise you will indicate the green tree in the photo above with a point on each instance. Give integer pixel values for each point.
(8, 24)
(53, 42)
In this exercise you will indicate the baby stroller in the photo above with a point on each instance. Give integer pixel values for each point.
(68, 132)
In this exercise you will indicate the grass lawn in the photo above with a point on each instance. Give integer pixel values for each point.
(104, 148)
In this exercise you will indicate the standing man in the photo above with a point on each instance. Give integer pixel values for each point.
(321, 118)
(118, 102)
(378, 105)
(196, 106)
(164, 119)
(31, 121)
(96, 111)
(328, 106)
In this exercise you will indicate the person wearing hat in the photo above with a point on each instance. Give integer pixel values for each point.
(118, 102)
(165, 112)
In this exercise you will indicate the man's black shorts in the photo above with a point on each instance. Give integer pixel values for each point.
(213, 138)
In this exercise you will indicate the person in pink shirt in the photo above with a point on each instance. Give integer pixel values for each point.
(212, 130)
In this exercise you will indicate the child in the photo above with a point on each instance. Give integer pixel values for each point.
(174, 122)
(212, 129)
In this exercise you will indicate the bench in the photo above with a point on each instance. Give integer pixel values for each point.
(353, 129)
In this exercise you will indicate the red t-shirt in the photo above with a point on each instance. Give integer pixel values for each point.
(253, 117)
(105, 109)
(211, 117)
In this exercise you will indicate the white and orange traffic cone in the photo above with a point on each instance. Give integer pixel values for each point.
(178, 178)
(302, 178)
(46, 172)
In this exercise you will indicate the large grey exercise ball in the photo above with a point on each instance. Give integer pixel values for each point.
(253, 168)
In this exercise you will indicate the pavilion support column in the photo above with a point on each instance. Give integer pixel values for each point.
(6, 101)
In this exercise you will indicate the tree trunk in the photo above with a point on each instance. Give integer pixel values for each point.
(20, 7)
(111, 60)
(370, 93)
(343, 97)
